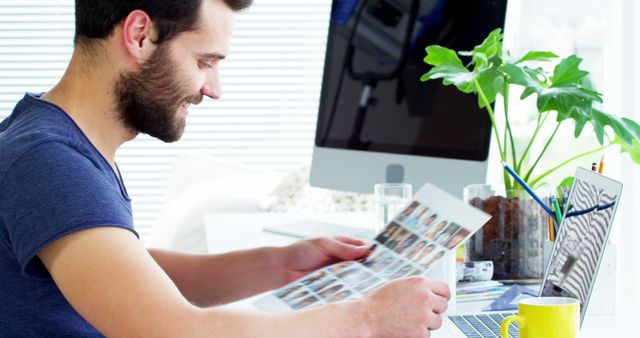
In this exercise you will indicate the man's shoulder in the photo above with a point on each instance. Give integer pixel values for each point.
(31, 146)
(33, 125)
(32, 120)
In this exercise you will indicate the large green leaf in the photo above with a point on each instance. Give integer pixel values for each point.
(538, 75)
(537, 56)
(491, 81)
(566, 91)
(625, 129)
(492, 44)
(632, 126)
(567, 72)
(569, 102)
(438, 55)
(633, 149)
(569, 93)
(485, 58)
(489, 49)
(519, 76)
(449, 68)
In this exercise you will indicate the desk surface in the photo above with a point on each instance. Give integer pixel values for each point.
(234, 231)
(231, 231)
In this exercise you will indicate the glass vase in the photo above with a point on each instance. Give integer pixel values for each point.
(514, 238)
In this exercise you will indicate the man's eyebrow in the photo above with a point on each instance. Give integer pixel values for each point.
(212, 56)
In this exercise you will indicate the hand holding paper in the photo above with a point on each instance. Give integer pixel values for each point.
(309, 255)
(410, 245)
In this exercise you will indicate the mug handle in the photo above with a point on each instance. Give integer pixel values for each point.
(504, 326)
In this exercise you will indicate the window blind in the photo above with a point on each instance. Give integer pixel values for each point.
(270, 83)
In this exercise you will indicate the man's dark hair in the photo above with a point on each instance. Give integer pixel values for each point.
(96, 19)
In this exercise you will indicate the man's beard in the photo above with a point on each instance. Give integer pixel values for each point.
(148, 99)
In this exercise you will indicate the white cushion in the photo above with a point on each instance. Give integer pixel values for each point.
(201, 184)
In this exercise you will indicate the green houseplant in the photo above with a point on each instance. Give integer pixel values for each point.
(514, 237)
(566, 92)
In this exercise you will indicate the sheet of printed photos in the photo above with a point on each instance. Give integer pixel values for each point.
(409, 245)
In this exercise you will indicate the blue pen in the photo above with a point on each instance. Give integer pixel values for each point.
(528, 189)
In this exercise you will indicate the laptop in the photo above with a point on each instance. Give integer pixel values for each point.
(574, 261)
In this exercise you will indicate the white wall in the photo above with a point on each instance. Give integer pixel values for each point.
(623, 54)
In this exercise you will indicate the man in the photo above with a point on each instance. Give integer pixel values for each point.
(70, 260)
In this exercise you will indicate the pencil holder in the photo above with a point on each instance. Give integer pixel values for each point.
(514, 237)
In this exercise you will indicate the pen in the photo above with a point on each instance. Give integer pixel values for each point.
(552, 236)
(558, 212)
(601, 166)
(527, 188)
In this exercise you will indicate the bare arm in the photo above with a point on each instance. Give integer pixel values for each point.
(115, 284)
(216, 279)
(207, 280)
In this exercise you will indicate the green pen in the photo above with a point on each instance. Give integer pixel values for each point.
(558, 212)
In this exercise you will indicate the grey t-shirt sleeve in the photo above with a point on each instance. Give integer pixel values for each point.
(51, 191)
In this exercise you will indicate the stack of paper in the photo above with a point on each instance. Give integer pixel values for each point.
(475, 291)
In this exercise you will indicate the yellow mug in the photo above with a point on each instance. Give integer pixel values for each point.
(545, 317)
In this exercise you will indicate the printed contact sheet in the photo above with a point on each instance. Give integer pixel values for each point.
(410, 245)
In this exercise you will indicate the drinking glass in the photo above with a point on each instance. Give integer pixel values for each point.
(389, 199)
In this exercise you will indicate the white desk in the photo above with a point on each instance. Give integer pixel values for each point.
(229, 232)
(236, 231)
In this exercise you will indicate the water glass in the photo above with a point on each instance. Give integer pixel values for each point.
(389, 199)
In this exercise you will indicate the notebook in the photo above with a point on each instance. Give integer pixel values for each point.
(575, 259)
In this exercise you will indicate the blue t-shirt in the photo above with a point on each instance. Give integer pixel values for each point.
(53, 182)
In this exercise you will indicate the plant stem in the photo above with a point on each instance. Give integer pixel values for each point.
(505, 178)
(508, 185)
(487, 105)
(567, 161)
(528, 175)
(504, 136)
(508, 124)
(535, 133)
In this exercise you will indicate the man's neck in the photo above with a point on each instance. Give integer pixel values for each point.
(86, 94)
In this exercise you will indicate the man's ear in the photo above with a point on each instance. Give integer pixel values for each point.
(138, 33)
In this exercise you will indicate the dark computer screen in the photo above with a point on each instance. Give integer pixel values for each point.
(402, 114)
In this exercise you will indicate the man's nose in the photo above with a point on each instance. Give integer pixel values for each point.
(211, 87)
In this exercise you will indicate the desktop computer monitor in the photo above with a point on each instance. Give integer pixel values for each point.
(377, 121)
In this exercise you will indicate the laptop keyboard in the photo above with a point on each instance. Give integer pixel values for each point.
(483, 325)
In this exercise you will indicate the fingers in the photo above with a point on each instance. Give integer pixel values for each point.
(435, 322)
(440, 304)
(350, 240)
(418, 300)
(440, 288)
(344, 251)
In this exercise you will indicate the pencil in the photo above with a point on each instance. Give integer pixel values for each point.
(551, 234)
(601, 166)
(558, 212)
(527, 188)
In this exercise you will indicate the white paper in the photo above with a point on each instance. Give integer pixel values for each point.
(411, 244)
